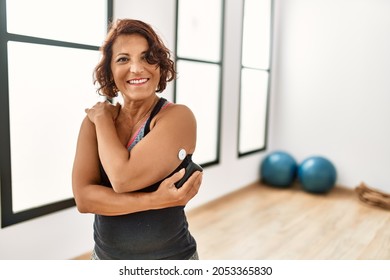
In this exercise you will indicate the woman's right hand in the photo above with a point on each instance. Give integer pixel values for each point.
(103, 109)
(167, 195)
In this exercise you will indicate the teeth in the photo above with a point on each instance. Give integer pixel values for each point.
(139, 81)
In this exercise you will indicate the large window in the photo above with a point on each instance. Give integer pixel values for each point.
(255, 76)
(199, 63)
(48, 50)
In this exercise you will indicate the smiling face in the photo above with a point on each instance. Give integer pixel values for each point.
(134, 77)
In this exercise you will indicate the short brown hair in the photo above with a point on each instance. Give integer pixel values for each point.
(157, 53)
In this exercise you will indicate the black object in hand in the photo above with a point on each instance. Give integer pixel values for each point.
(190, 169)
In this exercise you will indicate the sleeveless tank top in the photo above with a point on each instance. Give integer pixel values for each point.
(151, 234)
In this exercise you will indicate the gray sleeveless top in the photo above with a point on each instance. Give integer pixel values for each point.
(146, 235)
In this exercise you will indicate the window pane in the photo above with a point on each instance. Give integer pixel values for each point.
(49, 88)
(75, 21)
(253, 110)
(199, 30)
(198, 88)
(256, 34)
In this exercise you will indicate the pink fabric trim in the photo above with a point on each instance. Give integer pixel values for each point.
(142, 126)
(135, 135)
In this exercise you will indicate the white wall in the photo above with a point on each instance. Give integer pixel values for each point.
(66, 234)
(331, 85)
(61, 235)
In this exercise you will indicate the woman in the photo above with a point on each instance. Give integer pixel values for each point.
(126, 153)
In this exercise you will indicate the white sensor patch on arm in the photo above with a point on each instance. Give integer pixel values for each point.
(182, 154)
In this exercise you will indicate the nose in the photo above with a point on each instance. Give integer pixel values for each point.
(136, 67)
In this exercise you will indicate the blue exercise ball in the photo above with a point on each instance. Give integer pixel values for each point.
(278, 169)
(317, 174)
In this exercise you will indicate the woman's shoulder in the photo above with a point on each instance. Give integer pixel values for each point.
(176, 108)
(175, 112)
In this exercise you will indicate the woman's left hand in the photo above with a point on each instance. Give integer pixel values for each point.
(167, 195)
(103, 109)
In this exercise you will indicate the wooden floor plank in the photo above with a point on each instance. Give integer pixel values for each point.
(261, 222)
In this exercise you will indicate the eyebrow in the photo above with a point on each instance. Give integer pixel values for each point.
(144, 52)
(122, 54)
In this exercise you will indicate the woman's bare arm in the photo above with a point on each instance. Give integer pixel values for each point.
(154, 157)
(91, 197)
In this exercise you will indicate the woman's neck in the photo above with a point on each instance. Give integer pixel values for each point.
(135, 111)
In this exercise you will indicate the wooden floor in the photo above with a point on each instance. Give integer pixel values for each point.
(261, 222)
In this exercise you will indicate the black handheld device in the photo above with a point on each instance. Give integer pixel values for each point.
(189, 170)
